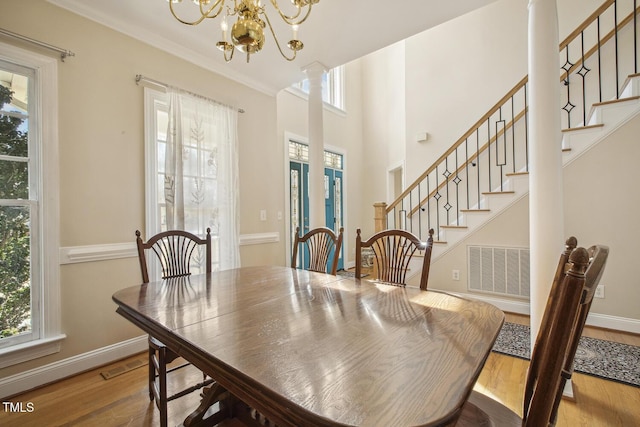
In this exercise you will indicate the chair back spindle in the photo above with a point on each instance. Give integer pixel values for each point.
(320, 243)
(392, 252)
(176, 250)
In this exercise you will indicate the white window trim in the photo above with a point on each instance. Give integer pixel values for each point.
(151, 97)
(49, 342)
(301, 94)
(338, 73)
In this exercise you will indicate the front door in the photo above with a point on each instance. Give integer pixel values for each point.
(299, 191)
(333, 204)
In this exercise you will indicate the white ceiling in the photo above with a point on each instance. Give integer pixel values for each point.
(337, 31)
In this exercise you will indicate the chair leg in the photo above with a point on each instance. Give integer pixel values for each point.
(152, 372)
(162, 379)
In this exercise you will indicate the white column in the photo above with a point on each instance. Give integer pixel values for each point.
(317, 217)
(546, 213)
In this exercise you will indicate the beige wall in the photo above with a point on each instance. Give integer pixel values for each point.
(458, 70)
(510, 229)
(600, 208)
(601, 205)
(454, 74)
(102, 161)
(383, 123)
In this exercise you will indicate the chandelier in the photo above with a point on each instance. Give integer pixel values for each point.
(251, 20)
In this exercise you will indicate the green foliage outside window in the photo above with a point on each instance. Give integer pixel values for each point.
(15, 292)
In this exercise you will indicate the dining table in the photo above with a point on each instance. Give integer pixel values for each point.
(302, 348)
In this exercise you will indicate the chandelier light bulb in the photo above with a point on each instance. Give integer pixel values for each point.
(224, 27)
(295, 31)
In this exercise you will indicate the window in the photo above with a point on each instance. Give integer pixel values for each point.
(192, 171)
(29, 280)
(332, 87)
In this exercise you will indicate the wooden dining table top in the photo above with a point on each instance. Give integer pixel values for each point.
(308, 348)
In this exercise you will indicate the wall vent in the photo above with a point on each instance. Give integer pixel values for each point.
(499, 270)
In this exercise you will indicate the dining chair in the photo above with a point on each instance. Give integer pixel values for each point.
(319, 242)
(177, 252)
(598, 255)
(392, 252)
(547, 359)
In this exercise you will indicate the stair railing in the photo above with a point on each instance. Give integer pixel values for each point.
(495, 148)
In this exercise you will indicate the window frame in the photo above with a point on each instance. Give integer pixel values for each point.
(333, 89)
(153, 100)
(46, 335)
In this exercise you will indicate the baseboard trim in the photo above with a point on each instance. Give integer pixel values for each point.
(37, 377)
(614, 322)
(597, 320)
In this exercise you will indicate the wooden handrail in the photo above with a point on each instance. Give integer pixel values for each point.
(599, 11)
(594, 49)
(470, 132)
(570, 38)
(471, 159)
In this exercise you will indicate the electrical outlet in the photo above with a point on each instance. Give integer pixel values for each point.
(455, 275)
(599, 292)
(263, 215)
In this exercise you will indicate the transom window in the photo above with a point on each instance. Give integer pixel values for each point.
(300, 152)
(332, 87)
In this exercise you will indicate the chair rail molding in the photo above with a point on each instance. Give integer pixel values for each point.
(103, 252)
(109, 251)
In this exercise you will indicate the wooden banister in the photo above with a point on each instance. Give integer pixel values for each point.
(498, 105)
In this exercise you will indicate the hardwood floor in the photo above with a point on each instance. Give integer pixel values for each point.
(89, 400)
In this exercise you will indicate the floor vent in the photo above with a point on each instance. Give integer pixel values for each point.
(122, 368)
(499, 270)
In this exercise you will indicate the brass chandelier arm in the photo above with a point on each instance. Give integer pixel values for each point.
(291, 20)
(204, 13)
(224, 52)
(273, 33)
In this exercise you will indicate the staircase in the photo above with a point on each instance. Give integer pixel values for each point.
(486, 170)
(603, 119)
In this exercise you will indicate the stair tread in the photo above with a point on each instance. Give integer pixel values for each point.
(599, 125)
(614, 101)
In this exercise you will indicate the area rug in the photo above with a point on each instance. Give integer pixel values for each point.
(604, 359)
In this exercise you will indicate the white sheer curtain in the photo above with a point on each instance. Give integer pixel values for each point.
(201, 173)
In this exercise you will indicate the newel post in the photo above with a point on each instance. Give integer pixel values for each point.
(380, 216)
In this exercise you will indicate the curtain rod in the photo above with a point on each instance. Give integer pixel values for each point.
(63, 52)
(141, 78)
